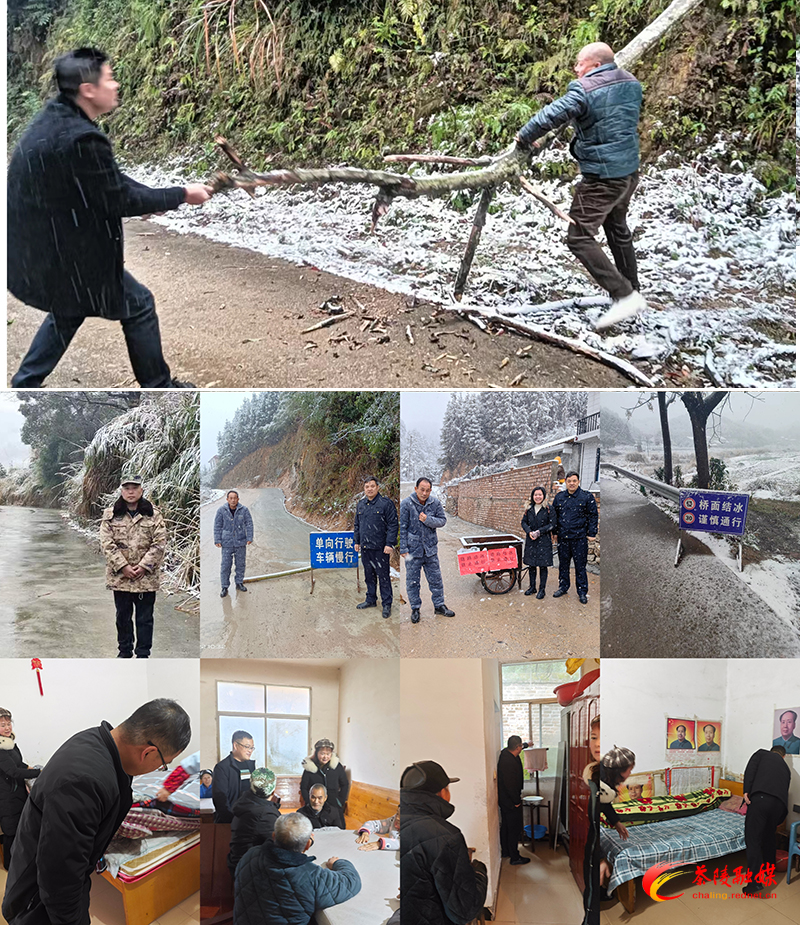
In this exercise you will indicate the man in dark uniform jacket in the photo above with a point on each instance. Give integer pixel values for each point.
(66, 201)
(766, 792)
(439, 883)
(510, 780)
(232, 775)
(76, 807)
(575, 522)
(374, 535)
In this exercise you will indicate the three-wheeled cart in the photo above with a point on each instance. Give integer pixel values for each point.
(496, 560)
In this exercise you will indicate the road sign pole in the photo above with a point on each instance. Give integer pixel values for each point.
(312, 581)
(741, 566)
(678, 552)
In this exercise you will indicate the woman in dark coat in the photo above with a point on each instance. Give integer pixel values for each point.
(538, 553)
(254, 816)
(13, 793)
(324, 767)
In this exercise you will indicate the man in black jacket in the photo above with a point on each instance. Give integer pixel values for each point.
(254, 816)
(766, 792)
(319, 810)
(439, 883)
(575, 523)
(66, 201)
(76, 807)
(375, 533)
(232, 775)
(510, 780)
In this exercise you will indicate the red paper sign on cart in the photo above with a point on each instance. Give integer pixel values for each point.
(473, 563)
(502, 558)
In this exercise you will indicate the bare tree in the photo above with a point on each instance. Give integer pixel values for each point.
(700, 405)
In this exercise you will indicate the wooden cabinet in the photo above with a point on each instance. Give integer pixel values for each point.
(575, 720)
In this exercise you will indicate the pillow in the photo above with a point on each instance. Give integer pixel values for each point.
(669, 806)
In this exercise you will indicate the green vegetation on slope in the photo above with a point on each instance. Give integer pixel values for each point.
(296, 81)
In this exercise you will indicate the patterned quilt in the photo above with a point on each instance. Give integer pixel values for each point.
(696, 838)
(670, 806)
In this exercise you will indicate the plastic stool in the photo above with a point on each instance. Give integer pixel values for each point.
(794, 848)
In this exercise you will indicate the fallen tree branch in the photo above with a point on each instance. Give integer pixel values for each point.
(534, 331)
(327, 322)
(538, 194)
(484, 161)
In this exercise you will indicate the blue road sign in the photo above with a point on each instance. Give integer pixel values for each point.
(333, 550)
(709, 511)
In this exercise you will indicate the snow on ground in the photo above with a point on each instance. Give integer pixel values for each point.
(767, 474)
(776, 581)
(210, 495)
(717, 260)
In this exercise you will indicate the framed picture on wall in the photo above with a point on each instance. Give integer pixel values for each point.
(784, 729)
(638, 787)
(709, 734)
(680, 734)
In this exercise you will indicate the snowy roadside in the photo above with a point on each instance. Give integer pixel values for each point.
(776, 581)
(210, 495)
(717, 261)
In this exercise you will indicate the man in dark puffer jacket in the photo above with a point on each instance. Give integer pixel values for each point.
(254, 816)
(278, 884)
(438, 883)
(603, 106)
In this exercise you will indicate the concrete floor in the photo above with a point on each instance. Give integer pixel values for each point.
(543, 892)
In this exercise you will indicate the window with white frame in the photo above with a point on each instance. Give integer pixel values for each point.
(277, 718)
(529, 706)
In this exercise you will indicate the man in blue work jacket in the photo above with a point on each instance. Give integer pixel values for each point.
(575, 524)
(603, 106)
(420, 518)
(374, 535)
(233, 533)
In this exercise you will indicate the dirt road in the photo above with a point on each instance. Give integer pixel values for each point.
(700, 608)
(54, 602)
(279, 617)
(506, 626)
(232, 317)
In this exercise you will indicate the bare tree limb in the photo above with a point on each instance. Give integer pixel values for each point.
(538, 194)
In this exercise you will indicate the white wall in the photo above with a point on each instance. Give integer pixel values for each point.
(323, 681)
(369, 720)
(638, 694)
(756, 688)
(79, 693)
(443, 719)
(493, 735)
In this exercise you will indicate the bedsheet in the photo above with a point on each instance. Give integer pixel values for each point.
(696, 838)
(141, 855)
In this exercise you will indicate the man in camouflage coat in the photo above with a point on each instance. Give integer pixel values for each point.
(133, 537)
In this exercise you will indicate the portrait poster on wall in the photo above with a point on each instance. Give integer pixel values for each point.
(680, 734)
(709, 735)
(784, 729)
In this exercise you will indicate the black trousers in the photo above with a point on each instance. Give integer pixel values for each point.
(598, 202)
(764, 814)
(510, 830)
(142, 337)
(542, 576)
(8, 823)
(143, 602)
(578, 551)
(376, 569)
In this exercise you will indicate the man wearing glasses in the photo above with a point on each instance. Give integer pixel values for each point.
(76, 807)
(232, 775)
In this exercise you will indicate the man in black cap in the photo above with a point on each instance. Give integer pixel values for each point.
(510, 780)
(766, 792)
(439, 883)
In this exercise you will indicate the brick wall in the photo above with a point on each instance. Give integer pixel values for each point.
(499, 501)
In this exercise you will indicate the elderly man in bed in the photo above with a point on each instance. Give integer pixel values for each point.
(79, 802)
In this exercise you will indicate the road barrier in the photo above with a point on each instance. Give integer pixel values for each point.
(660, 488)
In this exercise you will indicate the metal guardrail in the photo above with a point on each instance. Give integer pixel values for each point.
(660, 488)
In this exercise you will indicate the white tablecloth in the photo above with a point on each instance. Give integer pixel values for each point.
(380, 879)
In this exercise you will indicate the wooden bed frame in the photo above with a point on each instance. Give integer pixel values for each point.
(153, 895)
(626, 892)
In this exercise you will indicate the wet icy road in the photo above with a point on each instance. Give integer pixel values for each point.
(55, 603)
(650, 608)
(280, 616)
(498, 625)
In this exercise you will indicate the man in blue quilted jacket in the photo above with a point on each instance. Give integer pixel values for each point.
(277, 883)
(603, 106)
(233, 533)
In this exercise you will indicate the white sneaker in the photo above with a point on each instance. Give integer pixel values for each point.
(621, 310)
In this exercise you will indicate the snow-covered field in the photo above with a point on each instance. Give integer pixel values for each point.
(717, 260)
